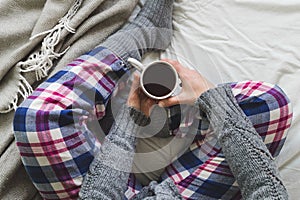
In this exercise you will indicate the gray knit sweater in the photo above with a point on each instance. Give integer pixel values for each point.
(248, 157)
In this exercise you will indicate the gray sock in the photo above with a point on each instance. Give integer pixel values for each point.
(150, 30)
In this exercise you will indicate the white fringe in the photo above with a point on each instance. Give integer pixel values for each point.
(64, 22)
(24, 91)
(41, 61)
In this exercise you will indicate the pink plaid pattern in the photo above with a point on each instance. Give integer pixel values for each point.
(57, 146)
(203, 173)
(280, 118)
(51, 129)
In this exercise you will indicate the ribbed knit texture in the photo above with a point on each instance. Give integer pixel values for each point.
(166, 190)
(150, 30)
(248, 157)
(109, 171)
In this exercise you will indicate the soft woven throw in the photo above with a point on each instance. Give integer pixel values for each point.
(37, 38)
(36, 35)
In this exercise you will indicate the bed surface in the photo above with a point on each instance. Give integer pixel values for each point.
(245, 40)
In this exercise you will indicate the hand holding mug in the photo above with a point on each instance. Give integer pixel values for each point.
(138, 99)
(193, 85)
(159, 79)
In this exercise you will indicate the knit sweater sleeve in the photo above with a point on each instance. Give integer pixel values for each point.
(109, 172)
(249, 159)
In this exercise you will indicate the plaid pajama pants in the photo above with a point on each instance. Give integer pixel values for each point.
(57, 145)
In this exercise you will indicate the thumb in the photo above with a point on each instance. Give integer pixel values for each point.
(136, 80)
(168, 102)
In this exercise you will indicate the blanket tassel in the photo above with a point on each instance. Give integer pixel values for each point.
(24, 91)
(42, 61)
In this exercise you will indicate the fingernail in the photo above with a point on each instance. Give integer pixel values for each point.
(161, 104)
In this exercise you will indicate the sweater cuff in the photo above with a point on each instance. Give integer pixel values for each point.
(138, 117)
(221, 107)
(127, 124)
(130, 119)
(117, 150)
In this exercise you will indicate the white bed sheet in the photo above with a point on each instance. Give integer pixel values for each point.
(229, 40)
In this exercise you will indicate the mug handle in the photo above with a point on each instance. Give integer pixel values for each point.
(136, 64)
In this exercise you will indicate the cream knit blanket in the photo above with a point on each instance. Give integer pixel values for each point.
(36, 35)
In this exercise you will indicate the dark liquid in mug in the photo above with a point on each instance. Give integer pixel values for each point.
(159, 79)
(157, 89)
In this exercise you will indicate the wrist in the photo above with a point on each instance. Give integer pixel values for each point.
(138, 117)
(201, 89)
(220, 106)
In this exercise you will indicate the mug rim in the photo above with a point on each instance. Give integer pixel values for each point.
(175, 85)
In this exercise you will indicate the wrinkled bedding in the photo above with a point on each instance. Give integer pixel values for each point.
(245, 40)
(230, 41)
